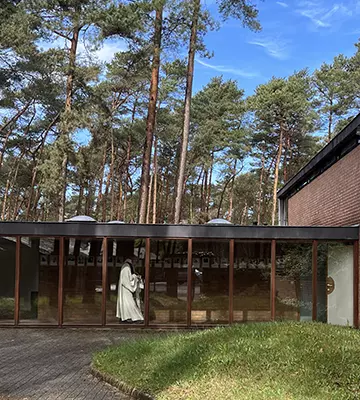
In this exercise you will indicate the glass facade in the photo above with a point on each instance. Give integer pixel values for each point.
(210, 282)
(168, 282)
(148, 282)
(252, 271)
(82, 281)
(294, 281)
(39, 280)
(125, 281)
(7, 279)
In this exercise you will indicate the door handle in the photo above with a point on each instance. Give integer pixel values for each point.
(330, 285)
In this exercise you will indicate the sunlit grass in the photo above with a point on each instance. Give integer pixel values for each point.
(249, 361)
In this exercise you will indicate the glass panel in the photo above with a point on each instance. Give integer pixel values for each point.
(252, 272)
(39, 279)
(168, 281)
(294, 281)
(210, 282)
(7, 279)
(82, 281)
(335, 303)
(126, 273)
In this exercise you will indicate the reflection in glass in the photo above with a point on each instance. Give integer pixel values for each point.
(82, 281)
(335, 303)
(168, 281)
(7, 281)
(294, 281)
(210, 282)
(252, 270)
(125, 289)
(39, 277)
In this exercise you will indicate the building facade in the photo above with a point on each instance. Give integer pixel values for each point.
(79, 274)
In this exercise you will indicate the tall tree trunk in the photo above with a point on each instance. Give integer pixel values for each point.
(127, 163)
(260, 193)
(104, 199)
(187, 109)
(155, 182)
(149, 200)
(36, 166)
(244, 214)
(276, 177)
(330, 122)
(209, 184)
(79, 203)
(101, 179)
(68, 103)
(5, 199)
(150, 121)
(112, 169)
(231, 199)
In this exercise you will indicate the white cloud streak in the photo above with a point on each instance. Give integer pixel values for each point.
(324, 14)
(229, 70)
(276, 48)
(282, 4)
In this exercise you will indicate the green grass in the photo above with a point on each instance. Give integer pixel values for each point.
(249, 361)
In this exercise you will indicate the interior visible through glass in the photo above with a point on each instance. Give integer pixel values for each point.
(252, 270)
(7, 281)
(39, 280)
(210, 282)
(168, 281)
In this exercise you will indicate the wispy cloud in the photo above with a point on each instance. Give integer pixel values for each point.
(230, 70)
(324, 14)
(282, 4)
(276, 48)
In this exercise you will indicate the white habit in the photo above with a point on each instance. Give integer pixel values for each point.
(126, 307)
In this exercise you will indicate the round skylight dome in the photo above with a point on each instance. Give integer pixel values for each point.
(81, 218)
(218, 221)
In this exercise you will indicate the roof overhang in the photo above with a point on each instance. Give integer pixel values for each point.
(100, 230)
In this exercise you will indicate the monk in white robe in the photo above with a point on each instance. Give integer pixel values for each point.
(129, 285)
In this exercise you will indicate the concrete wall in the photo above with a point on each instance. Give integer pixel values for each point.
(332, 199)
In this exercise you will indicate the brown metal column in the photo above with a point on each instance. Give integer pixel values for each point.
(17, 279)
(356, 284)
(231, 281)
(314, 279)
(189, 283)
(61, 283)
(104, 281)
(147, 280)
(273, 280)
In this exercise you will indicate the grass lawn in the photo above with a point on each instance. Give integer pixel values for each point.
(249, 361)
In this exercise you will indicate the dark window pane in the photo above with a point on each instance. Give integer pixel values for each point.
(168, 281)
(39, 277)
(210, 282)
(252, 269)
(7, 279)
(82, 281)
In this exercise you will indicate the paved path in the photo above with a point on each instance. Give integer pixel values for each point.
(54, 364)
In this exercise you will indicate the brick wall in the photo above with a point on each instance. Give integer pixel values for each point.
(332, 199)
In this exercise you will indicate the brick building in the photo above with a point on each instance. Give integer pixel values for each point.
(326, 192)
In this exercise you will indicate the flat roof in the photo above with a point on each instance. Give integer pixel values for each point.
(338, 147)
(162, 231)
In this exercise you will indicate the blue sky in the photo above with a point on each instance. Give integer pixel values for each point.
(296, 34)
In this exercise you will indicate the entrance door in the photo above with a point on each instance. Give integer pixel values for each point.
(340, 307)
